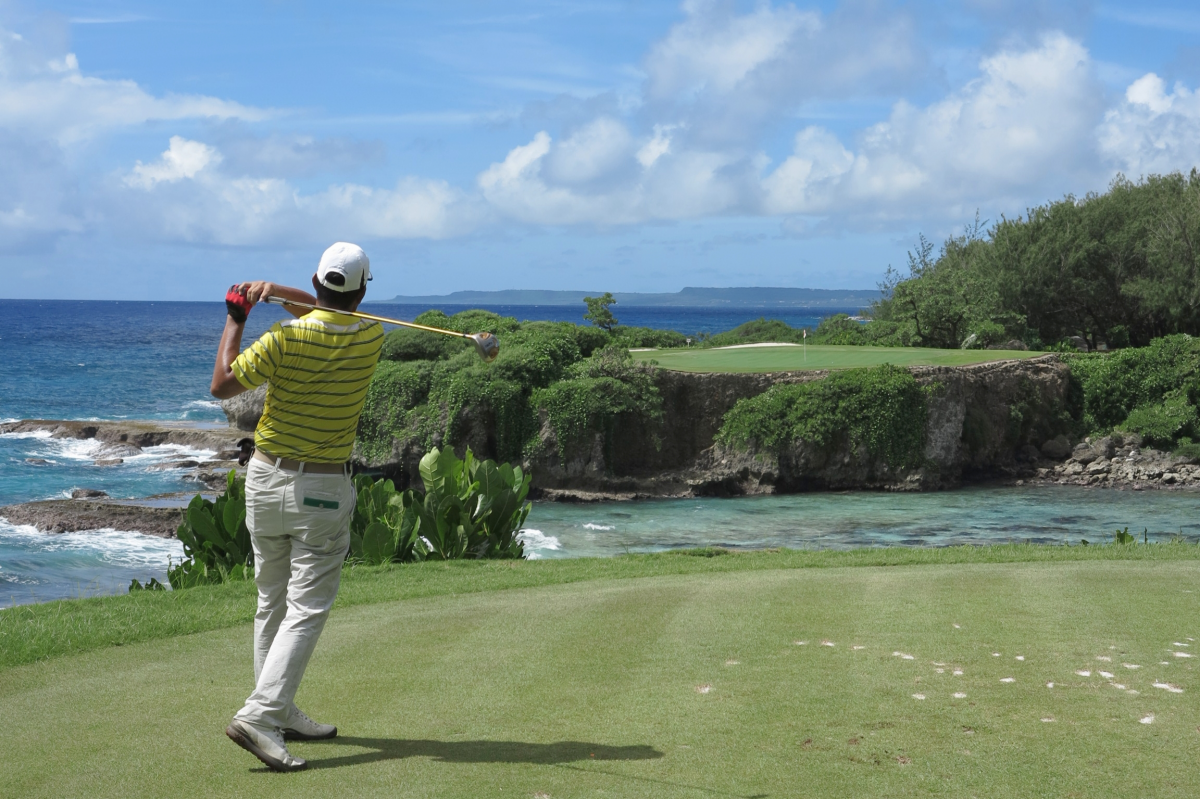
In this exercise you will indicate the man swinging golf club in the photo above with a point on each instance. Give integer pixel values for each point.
(299, 497)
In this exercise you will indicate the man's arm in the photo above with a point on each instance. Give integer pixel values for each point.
(257, 289)
(224, 383)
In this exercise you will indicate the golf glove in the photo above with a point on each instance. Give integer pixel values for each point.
(237, 304)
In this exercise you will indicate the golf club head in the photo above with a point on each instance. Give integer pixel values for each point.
(487, 345)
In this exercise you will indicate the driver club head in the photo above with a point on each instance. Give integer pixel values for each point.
(487, 345)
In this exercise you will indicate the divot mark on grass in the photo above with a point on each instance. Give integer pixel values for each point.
(940, 671)
(1049, 685)
(1184, 655)
(856, 648)
(733, 663)
(1169, 686)
(904, 761)
(828, 643)
(1008, 679)
(1163, 663)
(957, 672)
(1084, 673)
(918, 696)
(1105, 674)
(1105, 658)
(1020, 657)
(1118, 686)
(1132, 692)
(800, 643)
(902, 656)
(1179, 644)
(703, 689)
(957, 627)
(1048, 720)
(1131, 666)
(960, 695)
(1147, 719)
(995, 654)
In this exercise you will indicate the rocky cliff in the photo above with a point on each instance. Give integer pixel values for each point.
(983, 421)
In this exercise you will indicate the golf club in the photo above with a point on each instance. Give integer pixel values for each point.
(487, 345)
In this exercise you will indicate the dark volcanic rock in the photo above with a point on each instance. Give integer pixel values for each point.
(88, 493)
(73, 515)
(109, 462)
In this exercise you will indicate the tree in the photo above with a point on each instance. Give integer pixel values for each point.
(598, 313)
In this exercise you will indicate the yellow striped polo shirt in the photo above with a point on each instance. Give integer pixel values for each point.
(317, 369)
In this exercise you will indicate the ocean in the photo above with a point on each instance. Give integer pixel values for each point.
(153, 360)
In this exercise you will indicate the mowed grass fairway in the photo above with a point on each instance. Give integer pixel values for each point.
(790, 358)
(671, 685)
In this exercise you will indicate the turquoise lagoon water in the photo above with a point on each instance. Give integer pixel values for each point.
(111, 360)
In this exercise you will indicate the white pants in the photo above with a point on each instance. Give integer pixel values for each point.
(300, 527)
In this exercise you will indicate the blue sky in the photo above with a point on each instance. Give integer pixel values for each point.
(165, 150)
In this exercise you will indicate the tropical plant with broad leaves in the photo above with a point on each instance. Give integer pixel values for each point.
(216, 541)
(470, 508)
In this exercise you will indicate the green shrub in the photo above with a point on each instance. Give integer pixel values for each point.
(594, 392)
(649, 337)
(883, 409)
(1162, 424)
(469, 509)
(396, 389)
(757, 331)
(216, 541)
(591, 339)
(1114, 384)
(406, 344)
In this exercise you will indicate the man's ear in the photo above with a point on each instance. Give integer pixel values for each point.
(316, 283)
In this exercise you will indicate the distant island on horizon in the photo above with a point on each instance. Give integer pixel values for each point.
(742, 297)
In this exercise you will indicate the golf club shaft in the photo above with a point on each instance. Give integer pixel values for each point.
(372, 317)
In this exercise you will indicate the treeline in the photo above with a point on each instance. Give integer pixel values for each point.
(1120, 268)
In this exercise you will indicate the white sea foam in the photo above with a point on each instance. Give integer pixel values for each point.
(29, 434)
(536, 542)
(591, 526)
(117, 547)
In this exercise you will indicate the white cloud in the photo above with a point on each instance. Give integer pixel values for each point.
(728, 74)
(186, 196)
(714, 51)
(49, 97)
(1152, 130)
(1026, 123)
(183, 159)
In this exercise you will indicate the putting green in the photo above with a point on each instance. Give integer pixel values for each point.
(671, 686)
(790, 358)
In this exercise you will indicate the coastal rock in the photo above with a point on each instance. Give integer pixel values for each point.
(109, 462)
(137, 433)
(74, 515)
(1057, 448)
(244, 410)
(88, 493)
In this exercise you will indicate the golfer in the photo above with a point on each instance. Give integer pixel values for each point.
(299, 497)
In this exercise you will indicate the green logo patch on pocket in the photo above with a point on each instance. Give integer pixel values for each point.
(318, 502)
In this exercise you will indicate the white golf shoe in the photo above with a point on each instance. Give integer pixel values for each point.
(266, 744)
(301, 728)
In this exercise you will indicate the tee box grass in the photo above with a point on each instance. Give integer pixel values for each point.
(791, 358)
(1014, 671)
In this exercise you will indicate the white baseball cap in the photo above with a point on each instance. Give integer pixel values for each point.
(344, 267)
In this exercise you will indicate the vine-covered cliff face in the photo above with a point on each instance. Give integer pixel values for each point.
(978, 422)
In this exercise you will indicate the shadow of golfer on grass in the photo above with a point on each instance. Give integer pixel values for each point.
(478, 751)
